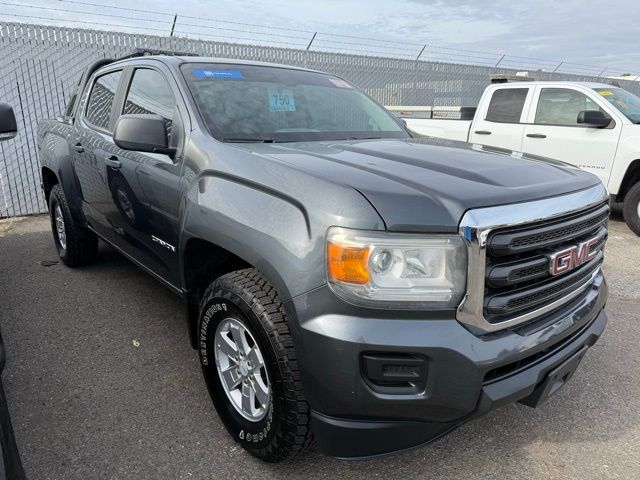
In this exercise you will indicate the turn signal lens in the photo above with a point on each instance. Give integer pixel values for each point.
(348, 264)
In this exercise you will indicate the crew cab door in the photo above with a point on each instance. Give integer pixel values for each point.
(553, 130)
(499, 121)
(144, 187)
(91, 144)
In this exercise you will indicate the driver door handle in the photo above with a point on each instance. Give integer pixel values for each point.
(482, 132)
(536, 135)
(113, 162)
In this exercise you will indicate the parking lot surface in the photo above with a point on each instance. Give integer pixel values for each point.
(102, 384)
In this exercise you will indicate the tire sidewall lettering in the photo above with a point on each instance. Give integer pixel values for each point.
(212, 309)
(262, 433)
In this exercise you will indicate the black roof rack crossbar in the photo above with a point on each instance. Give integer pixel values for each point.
(145, 52)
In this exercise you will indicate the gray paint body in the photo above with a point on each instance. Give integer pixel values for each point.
(271, 205)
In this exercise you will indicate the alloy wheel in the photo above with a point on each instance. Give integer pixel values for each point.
(60, 229)
(242, 370)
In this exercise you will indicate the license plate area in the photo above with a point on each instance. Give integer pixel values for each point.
(555, 379)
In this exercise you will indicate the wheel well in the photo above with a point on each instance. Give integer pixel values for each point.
(49, 179)
(630, 178)
(203, 263)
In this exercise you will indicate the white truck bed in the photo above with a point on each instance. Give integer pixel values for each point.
(444, 122)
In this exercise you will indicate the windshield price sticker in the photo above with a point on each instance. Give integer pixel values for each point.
(281, 100)
(217, 73)
(605, 93)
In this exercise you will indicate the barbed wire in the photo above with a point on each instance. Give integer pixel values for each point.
(234, 31)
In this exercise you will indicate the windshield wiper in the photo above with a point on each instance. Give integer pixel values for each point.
(248, 140)
(359, 138)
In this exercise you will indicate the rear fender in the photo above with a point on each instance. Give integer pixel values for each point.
(57, 156)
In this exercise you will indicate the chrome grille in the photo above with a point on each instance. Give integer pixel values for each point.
(509, 247)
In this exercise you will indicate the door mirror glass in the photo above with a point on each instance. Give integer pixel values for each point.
(8, 126)
(142, 133)
(593, 118)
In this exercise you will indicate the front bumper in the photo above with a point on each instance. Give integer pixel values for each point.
(466, 375)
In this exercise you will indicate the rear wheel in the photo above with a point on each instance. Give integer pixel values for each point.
(250, 367)
(631, 209)
(75, 244)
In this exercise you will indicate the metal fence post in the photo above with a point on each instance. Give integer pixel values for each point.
(173, 26)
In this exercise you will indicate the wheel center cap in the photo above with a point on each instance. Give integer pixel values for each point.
(244, 368)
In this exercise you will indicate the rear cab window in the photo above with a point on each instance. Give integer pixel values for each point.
(100, 102)
(506, 105)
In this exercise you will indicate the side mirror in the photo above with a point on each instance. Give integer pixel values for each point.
(8, 126)
(142, 133)
(594, 118)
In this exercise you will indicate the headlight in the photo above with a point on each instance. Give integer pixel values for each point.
(393, 270)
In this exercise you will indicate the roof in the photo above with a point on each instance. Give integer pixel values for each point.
(563, 82)
(177, 59)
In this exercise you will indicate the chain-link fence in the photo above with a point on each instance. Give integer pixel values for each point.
(40, 65)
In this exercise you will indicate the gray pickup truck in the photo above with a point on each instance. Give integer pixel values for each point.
(345, 283)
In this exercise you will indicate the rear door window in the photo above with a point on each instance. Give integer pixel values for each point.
(98, 112)
(506, 105)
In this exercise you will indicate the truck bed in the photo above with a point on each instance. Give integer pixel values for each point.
(451, 123)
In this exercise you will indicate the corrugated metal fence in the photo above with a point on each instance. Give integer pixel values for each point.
(39, 66)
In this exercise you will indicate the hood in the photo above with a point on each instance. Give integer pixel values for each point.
(425, 184)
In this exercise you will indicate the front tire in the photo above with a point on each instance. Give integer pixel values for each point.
(76, 245)
(270, 420)
(631, 209)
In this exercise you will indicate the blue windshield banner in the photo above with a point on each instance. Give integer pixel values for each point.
(217, 73)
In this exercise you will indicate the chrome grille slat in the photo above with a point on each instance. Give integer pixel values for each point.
(521, 275)
(513, 273)
(543, 236)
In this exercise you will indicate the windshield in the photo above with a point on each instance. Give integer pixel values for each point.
(248, 103)
(626, 102)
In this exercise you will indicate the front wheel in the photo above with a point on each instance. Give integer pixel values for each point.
(250, 367)
(631, 209)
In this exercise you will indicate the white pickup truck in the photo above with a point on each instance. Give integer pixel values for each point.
(590, 125)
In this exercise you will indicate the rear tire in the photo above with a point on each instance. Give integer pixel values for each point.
(278, 428)
(631, 209)
(75, 244)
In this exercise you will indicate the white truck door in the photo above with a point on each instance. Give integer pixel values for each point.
(499, 121)
(554, 132)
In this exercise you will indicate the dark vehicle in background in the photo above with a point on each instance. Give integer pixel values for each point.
(11, 467)
(8, 126)
(343, 280)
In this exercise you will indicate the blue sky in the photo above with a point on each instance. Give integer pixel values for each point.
(576, 31)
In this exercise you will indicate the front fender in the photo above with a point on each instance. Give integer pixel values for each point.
(274, 231)
(627, 155)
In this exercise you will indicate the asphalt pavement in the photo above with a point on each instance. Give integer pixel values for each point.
(102, 384)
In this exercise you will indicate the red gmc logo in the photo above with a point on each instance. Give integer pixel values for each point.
(572, 257)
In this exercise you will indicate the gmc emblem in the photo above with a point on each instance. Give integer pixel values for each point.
(572, 257)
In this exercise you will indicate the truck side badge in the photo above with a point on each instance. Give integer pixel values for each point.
(163, 243)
